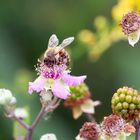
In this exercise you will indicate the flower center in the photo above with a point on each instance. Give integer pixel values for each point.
(53, 65)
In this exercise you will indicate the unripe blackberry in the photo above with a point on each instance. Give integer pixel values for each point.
(126, 103)
(79, 94)
(78, 91)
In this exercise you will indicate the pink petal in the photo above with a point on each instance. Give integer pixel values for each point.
(37, 86)
(73, 80)
(59, 90)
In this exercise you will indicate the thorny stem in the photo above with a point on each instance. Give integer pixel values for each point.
(137, 126)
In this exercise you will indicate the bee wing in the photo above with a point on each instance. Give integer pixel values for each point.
(66, 42)
(53, 41)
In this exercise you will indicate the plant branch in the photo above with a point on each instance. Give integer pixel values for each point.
(39, 116)
(137, 126)
(44, 110)
(36, 121)
(21, 122)
(10, 114)
(90, 117)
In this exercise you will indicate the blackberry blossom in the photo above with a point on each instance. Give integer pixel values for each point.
(54, 72)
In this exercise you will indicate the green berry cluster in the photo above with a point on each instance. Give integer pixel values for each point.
(126, 103)
(79, 91)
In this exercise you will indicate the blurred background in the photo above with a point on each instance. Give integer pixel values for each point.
(100, 51)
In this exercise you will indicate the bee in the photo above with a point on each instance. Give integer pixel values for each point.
(55, 54)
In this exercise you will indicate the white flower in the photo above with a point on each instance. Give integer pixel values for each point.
(21, 113)
(5, 96)
(13, 101)
(49, 136)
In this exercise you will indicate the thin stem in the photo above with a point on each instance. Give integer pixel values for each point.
(90, 117)
(36, 121)
(44, 110)
(30, 134)
(21, 122)
(137, 134)
(137, 130)
(10, 114)
(39, 116)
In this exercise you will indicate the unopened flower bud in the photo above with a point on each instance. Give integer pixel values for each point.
(21, 113)
(46, 96)
(79, 94)
(5, 96)
(48, 137)
(126, 102)
(13, 101)
(87, 37)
